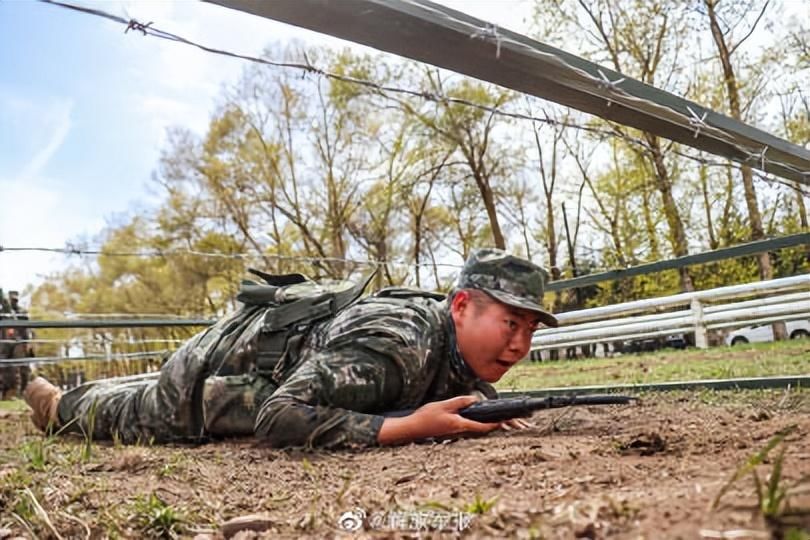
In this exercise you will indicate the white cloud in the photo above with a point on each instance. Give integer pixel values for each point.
(163, 112)
(59, 119)
(33, 214)
(36, 216)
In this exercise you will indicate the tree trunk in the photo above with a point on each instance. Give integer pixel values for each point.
(649, 225)
(707, 206)
(488, 197)
(754, 216)
(676, 229)
(802, 209)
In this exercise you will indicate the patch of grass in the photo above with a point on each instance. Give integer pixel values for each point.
(796, 534)
(18, 479)
(13, 405)
(774, 496)
(155, 518)
(173, 466)
(24, 509)
(479, 505)
(87, 447)
(35, 453)
(754, 360)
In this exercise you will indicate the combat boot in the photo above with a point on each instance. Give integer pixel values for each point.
(43, 398)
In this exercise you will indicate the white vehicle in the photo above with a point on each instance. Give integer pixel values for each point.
(764, 332)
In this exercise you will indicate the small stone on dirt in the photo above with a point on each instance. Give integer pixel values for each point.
(760, 416)
(589, 532)
(645, 444)
(245, 523)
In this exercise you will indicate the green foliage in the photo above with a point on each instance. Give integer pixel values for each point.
(774, 496)
(156, 519)
(87, 447)
(35, 453)
(479, 505)
(771, 500)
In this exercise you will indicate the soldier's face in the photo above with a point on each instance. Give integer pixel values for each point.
(492, 337)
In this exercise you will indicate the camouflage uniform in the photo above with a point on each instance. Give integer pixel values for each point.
(381, 353)
(377, 355)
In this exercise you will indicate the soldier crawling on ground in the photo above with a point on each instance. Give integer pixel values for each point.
(328, 381)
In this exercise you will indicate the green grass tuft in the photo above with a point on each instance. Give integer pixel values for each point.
(156, 519)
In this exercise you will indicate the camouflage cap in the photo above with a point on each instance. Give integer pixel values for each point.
(509, 279)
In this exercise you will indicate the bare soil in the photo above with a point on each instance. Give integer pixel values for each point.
(643, 471)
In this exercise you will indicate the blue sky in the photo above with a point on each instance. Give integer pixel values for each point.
(84, 110)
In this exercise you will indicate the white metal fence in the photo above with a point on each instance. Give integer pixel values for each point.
(694, 313)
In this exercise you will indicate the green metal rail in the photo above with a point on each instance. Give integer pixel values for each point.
(749, 383)
(101, 323)
(733, 252)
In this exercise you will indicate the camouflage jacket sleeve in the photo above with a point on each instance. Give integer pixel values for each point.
(322, 402)
(355, 368)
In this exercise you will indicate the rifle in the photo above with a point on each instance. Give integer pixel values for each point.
(500, 410)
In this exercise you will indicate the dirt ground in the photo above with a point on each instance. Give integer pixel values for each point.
(641, 471)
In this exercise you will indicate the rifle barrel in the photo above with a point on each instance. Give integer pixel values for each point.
(500, 410)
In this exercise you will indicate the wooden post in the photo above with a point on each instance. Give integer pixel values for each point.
(701, 337)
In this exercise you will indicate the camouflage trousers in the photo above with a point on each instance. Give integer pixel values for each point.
(188, 401)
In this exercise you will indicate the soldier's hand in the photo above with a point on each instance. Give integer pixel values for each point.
(516, 423)
(442, 417)
(435, 419)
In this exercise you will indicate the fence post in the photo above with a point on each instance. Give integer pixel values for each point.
(701, 337)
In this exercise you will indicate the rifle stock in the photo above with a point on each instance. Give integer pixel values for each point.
(500, 410)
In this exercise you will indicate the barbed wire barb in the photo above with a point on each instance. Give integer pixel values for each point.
(607, 84)
(489, 32)
(698, 122)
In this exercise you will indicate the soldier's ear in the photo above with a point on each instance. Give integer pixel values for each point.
(461, 302)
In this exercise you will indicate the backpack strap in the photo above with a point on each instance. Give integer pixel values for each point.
(257, 294)
(281, 323)
(408, 292)
(314, 308)
(279, 280)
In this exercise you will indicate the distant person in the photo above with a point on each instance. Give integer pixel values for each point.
(14, 345)
(328, 387)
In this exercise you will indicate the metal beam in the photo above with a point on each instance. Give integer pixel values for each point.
(740, 250)
(443, 37)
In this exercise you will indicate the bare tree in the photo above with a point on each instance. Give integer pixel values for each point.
(725, 50)
(642, 40)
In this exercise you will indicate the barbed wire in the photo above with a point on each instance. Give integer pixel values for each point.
(794, 186)
(70, 315)
(149, 30)
(77, 251)
(696, 122)
(489, 32)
